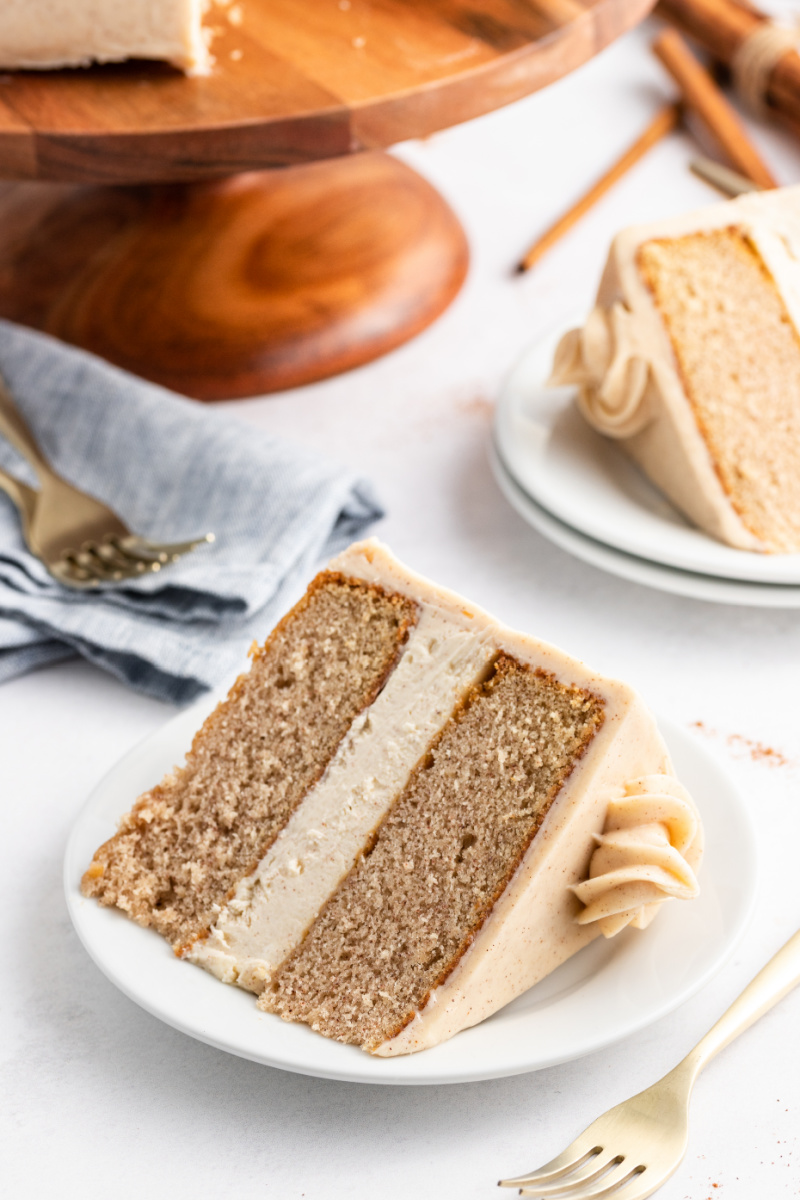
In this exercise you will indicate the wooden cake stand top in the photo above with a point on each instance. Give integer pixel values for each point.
(297, 80)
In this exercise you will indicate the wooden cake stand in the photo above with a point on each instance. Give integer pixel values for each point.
(146, 222)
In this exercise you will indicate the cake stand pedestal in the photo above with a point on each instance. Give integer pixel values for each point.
(142, 216)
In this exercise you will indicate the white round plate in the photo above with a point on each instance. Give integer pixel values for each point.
(607, 991)
(638, 570)
(587, 482)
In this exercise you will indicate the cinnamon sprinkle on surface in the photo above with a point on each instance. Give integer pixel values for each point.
(741, 746)
(477, 406)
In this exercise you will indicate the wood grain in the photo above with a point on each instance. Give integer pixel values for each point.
(296, 81)
(216, 281)
(226, 289)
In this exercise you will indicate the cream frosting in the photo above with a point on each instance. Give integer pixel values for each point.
(645, 855)
(622, 362)
(63, 33)
(611, 370)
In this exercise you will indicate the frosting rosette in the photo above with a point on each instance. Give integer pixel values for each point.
(610, 370)
(648, 852)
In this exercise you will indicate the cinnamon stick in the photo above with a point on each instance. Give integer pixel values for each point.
(720, 27)
(662, 124)
(701, 94)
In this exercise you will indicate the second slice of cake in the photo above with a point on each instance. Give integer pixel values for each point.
(691, 361)
(404, 816)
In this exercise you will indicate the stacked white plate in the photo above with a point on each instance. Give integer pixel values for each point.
(580, 491)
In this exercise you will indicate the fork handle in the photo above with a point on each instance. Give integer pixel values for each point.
(770, 985)
(15, 429)
(23, 496)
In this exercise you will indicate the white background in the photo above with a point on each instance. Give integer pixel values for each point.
(97, 1097)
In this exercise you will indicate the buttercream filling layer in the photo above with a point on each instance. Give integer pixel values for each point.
(274, 906)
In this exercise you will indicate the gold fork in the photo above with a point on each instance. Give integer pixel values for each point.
(631, 1150)
(79, 539)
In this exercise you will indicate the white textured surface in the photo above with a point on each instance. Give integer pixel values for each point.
(97, 1096)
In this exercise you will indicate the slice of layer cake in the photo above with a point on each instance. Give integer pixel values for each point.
(74, 33)
(403, 816)
(691, 360)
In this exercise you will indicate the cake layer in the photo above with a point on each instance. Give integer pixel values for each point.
(272, 908)
(739, 357)
(186, 845)
(413, 903)
(69, 33)
(635, 377)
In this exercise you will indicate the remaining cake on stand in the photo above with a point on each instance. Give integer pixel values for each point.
(209, 272)
(45, 34)
(691, 361)
(403, 816)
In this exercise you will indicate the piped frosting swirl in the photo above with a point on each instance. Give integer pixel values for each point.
(610, 369)
(648, 852)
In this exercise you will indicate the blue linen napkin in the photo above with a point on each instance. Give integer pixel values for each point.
(172, 469)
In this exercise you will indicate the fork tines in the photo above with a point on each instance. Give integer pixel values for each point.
(579, 1175)
(115, 559)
